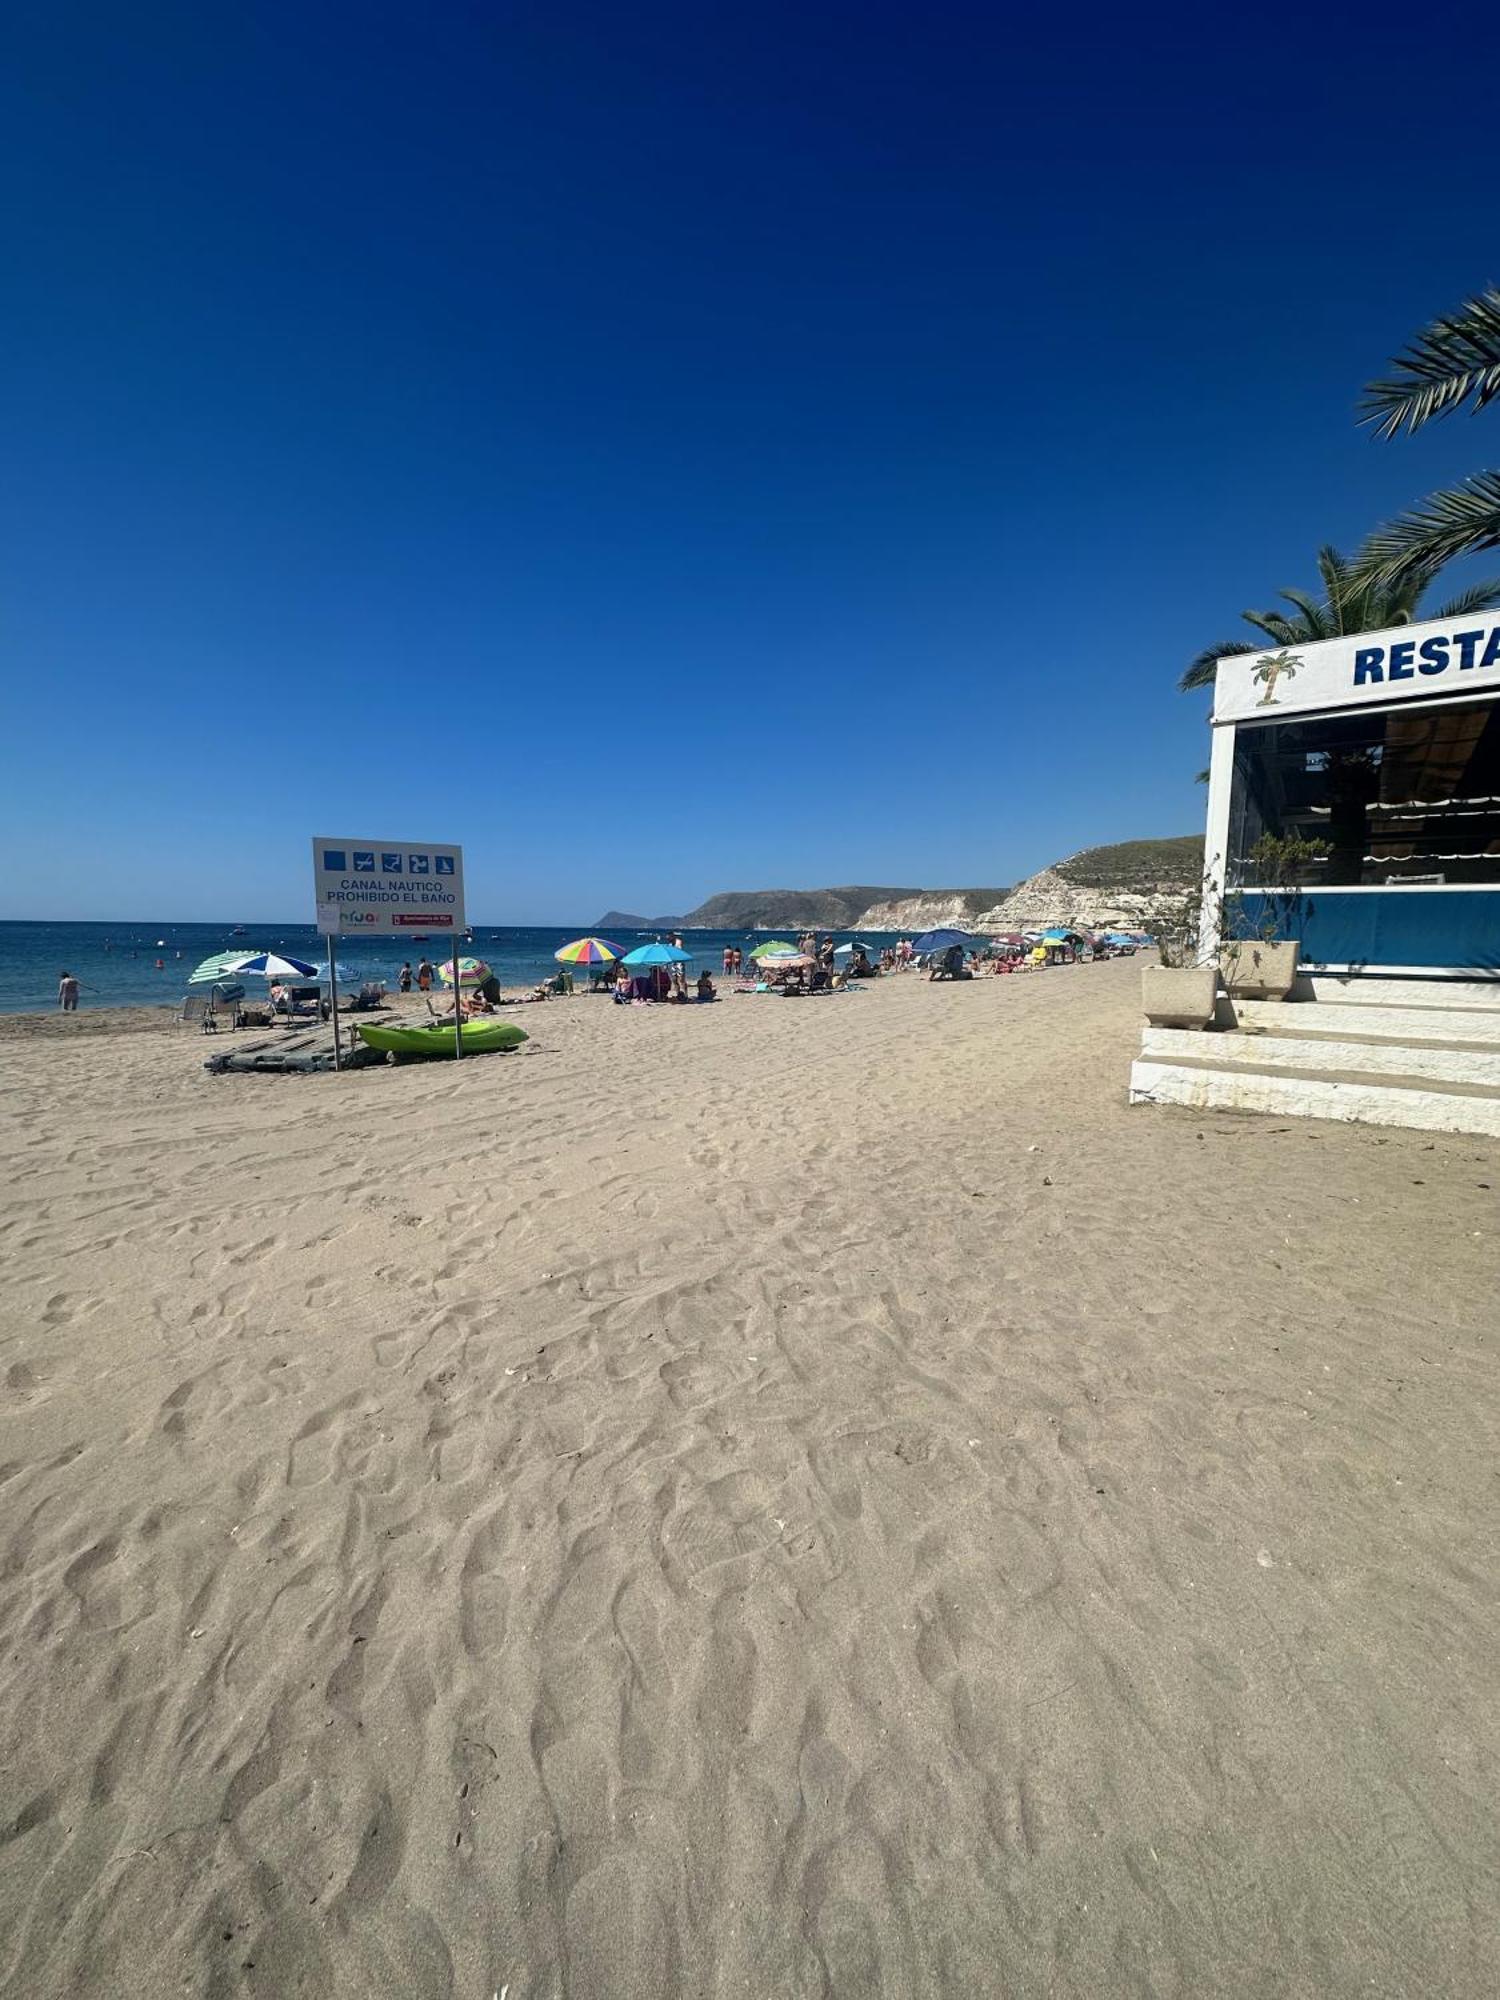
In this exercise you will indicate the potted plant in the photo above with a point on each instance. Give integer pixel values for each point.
(1180, 992)
(1258, 960)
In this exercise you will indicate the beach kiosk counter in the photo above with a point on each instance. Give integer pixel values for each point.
(1383, 750)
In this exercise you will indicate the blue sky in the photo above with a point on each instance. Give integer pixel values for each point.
(671, 449)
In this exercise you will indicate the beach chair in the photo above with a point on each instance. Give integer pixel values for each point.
(199, 1008)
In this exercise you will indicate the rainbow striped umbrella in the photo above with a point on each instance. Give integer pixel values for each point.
(471, 972)
(588, 951)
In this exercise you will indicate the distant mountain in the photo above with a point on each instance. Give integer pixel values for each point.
(626, 920)
(788, 909)
(1126, 882)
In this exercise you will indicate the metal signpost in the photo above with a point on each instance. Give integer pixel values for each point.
(371, 888)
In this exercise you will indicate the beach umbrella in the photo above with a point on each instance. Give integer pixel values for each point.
(940, 940)
(271, 965)
(218, 967)
(588, 951)
(656, 954)
(346, 974)
(471, 972)
(775, 948)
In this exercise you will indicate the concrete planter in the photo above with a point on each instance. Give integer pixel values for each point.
(1179, 996)
(1256, 970)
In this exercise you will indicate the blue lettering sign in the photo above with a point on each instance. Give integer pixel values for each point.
(1367, 665)
(1466, 642)
(1399, 667)
(1492, 650)
(1433, 657)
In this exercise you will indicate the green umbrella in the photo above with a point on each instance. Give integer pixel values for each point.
(775, 948)
(218, 967)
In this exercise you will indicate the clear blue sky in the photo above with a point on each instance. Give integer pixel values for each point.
(672, 449)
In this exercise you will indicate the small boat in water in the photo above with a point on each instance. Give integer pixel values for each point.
(407, 1042)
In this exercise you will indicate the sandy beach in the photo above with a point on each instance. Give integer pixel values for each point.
(787, 1498)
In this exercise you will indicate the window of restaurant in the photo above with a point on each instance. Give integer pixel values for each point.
(1409, 795)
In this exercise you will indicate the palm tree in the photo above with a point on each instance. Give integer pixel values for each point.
(1275, 667)
(1452, 363)
(1357, 597)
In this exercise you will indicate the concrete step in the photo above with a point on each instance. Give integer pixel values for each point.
(1348, 1099)
(1463, 1064)
(1364, 1023)
(1355, 990)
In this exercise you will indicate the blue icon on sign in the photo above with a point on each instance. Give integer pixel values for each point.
(443, 864)
(333, 860)
(416, 864)
(390, 864)
(364, 861)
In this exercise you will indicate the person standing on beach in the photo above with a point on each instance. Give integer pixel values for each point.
(67, 993)
(403, 977)
(424, 977)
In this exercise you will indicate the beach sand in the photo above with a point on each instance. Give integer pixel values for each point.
(780, 1499)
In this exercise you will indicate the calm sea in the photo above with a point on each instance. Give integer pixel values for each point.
(145, 964)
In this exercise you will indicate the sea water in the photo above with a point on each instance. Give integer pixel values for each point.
(146, 964)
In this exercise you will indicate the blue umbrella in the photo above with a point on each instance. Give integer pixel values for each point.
(940, 940)
(656, 954)
(345, 973)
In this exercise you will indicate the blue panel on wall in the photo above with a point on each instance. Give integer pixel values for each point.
(1382, 927)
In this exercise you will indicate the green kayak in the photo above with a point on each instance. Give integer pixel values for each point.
(399, 1042)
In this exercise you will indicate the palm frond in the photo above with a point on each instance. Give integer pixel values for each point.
(1333, 569)
(1454, 361)
(1315, 615)
(1478, 597)
(1277, 627)
(1201, 673)
(1447, 524)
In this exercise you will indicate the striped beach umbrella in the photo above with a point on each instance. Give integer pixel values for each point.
(271, 965)
(471, 972)
(775, 948)
(588, 951)
(220, 966)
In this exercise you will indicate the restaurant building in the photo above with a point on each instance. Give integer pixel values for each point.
(1354, 807)
(1382, 753)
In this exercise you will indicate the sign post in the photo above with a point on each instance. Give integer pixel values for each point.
(458, 1011)
(372, 888)
(329, 915)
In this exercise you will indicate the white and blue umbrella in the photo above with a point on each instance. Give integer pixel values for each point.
(271, 965)
(346, 974)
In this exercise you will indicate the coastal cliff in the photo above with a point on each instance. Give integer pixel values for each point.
(1131, 883)
(928, 909)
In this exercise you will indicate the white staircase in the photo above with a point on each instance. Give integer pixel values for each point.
(1418, 1053)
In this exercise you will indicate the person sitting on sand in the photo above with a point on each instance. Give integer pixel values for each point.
(706, 986)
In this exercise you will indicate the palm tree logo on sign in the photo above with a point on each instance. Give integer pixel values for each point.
(1272, 667)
